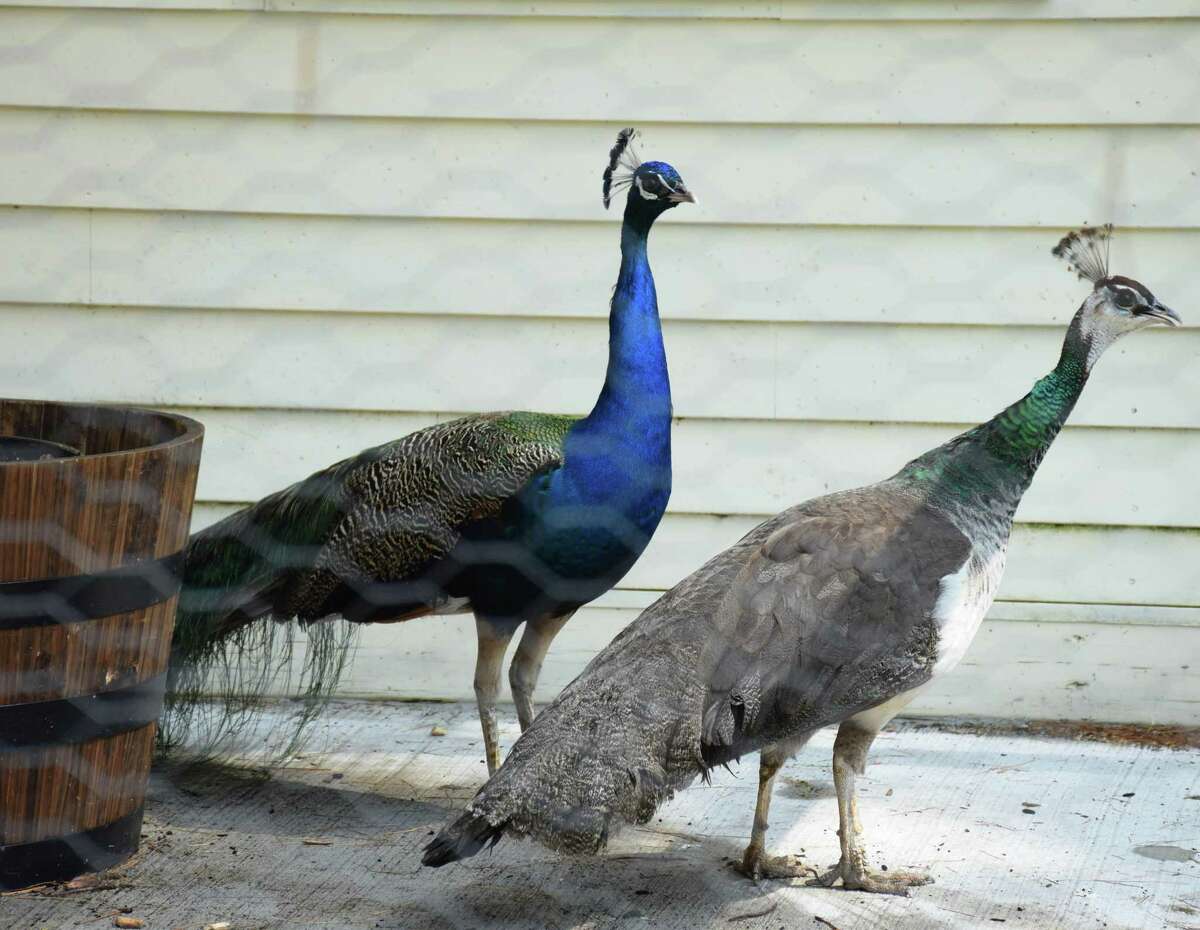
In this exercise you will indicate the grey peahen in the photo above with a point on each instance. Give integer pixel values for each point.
(838, 611)
(518, 517)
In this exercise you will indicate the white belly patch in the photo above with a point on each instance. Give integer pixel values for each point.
(877, 717)
(963, 599)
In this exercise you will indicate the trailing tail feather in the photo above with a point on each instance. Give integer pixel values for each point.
(461, 840)
(234, 641)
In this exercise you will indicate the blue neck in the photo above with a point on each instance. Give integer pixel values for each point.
(620, 453)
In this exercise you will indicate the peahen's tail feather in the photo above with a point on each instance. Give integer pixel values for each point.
(235, 643)
(617, 743)
(461, 840)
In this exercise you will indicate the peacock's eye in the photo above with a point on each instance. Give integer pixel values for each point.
(1125, 299)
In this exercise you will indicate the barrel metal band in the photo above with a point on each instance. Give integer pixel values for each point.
(82, 718)
(61, 858)
(74, 598)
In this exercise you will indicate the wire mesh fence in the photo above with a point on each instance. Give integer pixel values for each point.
(318, 229)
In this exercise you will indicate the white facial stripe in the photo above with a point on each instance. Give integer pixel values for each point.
(641, 190)
(665, 183)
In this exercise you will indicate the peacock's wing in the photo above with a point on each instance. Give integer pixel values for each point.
(831, 615)
(384, 512)
(404, 506)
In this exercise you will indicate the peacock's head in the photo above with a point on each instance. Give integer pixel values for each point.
(1117, 305)
(654, 186)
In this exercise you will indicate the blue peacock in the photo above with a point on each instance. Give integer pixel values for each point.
(518, 517)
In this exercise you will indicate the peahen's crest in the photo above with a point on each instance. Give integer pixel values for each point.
(1086, 251)
(623, 161)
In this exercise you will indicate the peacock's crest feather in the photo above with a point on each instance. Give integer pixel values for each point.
(623, 161)
(1086, 251)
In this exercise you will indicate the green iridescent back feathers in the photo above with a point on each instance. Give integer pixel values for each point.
(379, 515)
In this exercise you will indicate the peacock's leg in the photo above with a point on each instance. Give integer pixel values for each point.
(527, 663)
(850, 759)
(493, 641)
(756, 864)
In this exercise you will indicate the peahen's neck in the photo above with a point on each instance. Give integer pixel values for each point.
(991, 466)
(1020, 435)
(623, 447)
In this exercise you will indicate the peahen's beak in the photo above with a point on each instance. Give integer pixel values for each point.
(1164, 313)
(683, 195)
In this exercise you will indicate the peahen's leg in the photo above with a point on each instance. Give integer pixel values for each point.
(850, 759)
(527, 663)
(756, 864)
(493, 641)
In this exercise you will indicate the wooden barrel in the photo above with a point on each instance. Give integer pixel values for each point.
(95, 504)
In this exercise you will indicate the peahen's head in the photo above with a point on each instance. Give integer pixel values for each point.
(1117, 305)
(654, 186)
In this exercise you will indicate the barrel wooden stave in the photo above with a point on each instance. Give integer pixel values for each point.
(44, 663)
(54, 791)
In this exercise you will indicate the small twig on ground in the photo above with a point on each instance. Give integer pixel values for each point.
(72, 888)
(822, 920)
(32, 889)
(960, 913)
(750, 914)
(82, 885)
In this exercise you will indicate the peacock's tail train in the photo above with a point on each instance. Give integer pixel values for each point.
(235, 642)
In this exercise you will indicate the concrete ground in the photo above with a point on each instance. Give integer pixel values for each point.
(1018, 830)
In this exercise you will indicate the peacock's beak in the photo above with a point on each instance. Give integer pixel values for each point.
(683, 195)
(1164, 313)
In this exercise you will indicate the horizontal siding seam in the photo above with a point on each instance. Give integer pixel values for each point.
(310, 116)
(668, 320)
(600, 218)
(1052, 227)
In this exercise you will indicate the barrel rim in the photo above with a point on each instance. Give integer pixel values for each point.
(192, 431)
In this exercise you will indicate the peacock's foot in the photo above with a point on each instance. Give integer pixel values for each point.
(855, 876)
(757, 865)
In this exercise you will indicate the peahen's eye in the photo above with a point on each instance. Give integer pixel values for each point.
(1125, 299)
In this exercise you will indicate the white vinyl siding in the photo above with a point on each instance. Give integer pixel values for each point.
(319, 225)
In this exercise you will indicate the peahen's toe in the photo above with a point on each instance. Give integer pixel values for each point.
(761, 866)
(855, 876)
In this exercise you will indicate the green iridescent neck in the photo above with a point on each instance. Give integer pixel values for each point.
(999, 457)
(1021, 434)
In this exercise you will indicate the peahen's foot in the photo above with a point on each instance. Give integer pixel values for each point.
(757, 865)
(856, 876)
